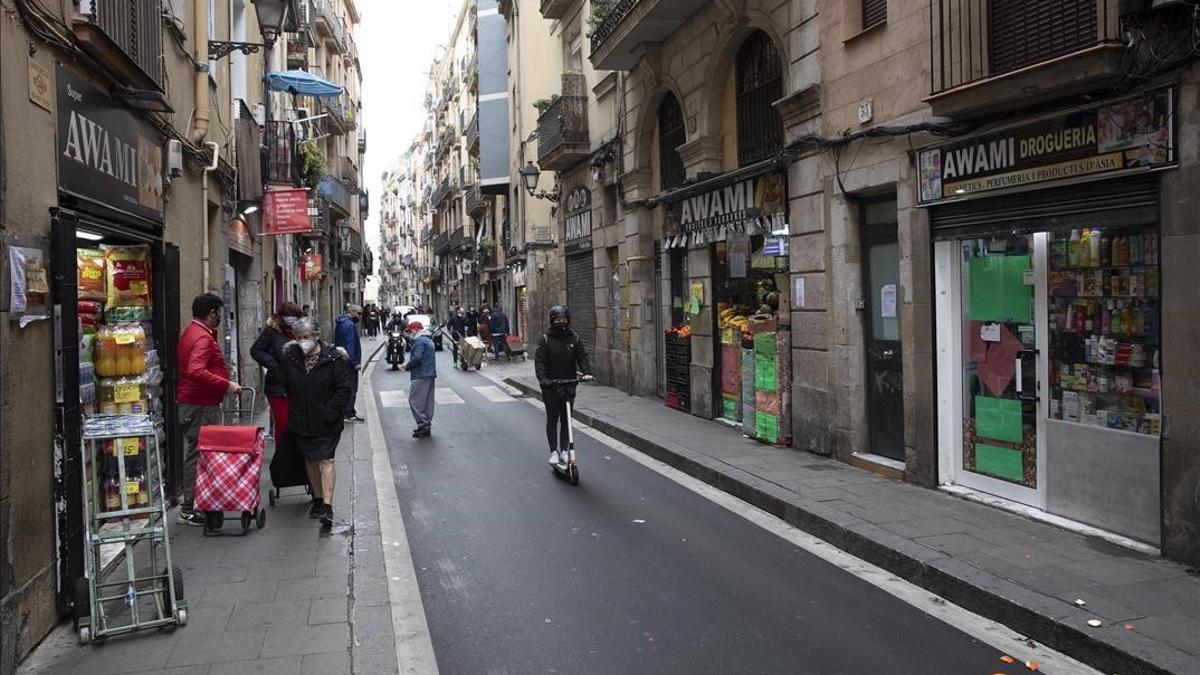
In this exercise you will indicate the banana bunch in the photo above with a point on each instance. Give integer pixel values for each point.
(732, 319)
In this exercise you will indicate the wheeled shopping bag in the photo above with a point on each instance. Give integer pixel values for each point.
(227, 475)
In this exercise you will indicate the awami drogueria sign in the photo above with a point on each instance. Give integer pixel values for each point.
(1133, 133)
(754, 205)
(105, 154)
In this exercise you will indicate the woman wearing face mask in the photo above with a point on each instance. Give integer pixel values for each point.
(287, 469)
(319, 381)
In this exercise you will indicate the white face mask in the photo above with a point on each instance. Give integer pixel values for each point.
(308, 346)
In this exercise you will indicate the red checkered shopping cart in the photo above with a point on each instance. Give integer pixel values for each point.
(227, 474)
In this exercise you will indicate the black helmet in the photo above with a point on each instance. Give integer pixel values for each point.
(558, 311)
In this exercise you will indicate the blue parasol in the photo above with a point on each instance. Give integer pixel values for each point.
(303, 83)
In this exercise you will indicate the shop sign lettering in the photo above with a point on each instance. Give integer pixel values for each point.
(754, 205)
(578, 221)
(285, 211)
(105, 154)
(1130, 134)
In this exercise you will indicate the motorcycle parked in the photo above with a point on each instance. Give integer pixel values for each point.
(395, 348)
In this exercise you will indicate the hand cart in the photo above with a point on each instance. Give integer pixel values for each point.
(229, 467)
(514, 346)
(470, 353)
(124, 505)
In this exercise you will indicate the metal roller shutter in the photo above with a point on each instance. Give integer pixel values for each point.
(581, 298)
(1129, 200)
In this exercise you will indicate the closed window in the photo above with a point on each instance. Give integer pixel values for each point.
(759, 85)
(874, 12)
(1024, 32)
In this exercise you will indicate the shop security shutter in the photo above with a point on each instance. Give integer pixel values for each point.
(1129, 200)
(581, 298)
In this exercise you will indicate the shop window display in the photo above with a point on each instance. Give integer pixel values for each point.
(1104, 328)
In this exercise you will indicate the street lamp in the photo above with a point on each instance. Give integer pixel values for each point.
(530, 174)
(271, 17)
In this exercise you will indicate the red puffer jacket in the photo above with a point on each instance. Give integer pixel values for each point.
(203, 376)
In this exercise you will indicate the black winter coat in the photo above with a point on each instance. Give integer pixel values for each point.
(560, 357)
(317, 399)
(268, 353)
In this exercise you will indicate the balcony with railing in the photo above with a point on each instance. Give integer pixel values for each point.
(352, 244)
(556, 9)
(441, 192)
(987, 56)
(627, 25)
(282, 165)
(306, 20)
(362, 141)
(472, 134)
(331, 24)
(341, 114)
(349, 169)
(470, 71)
(562, 130)
(473, 200)
(126, 37)
(441, 243)
(336, 193)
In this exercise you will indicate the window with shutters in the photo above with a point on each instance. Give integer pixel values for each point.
(134, 28)
(1024, 32)
(874, 13)
(671, 135)
(759, 85)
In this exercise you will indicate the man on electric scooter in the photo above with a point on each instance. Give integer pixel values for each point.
(560, 355)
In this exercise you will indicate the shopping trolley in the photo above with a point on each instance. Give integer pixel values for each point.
(228, 468)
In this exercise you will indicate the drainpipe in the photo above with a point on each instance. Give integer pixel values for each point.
(206, 257)
(203, 106)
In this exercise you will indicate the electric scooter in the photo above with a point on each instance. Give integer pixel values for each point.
(568, 467)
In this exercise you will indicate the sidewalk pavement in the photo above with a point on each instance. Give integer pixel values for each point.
(1022, 573)
(289, 598)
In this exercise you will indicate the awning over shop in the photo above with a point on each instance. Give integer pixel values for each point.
(303, 83)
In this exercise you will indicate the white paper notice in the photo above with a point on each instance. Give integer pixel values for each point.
(887, 301)
(16, 277)
(798, 294)
(989, 332)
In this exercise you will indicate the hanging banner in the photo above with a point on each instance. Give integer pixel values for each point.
(285, 211)
(310, 267)
(755, 205)
(1136, 133)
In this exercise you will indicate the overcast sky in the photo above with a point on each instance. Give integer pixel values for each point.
(396, 43)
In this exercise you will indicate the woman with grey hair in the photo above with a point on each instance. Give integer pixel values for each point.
(319, 381)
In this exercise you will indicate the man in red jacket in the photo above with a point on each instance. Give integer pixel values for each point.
(203, 383)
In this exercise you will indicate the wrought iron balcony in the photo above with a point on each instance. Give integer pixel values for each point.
(629, 24)
(441, 243)
(563, 129)
(474, 201)
(352, 244)
(331, 24)
(341, 114)
(1031, 50)
(442, 191)
(362, 141)
(472, 135)
(349, 170)
(336, 193)
(282, 165)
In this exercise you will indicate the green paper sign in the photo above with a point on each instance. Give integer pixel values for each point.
(767, 427)
(999, 462)
(999, 419)
(998, 289)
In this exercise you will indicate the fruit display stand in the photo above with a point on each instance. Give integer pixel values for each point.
(125, 506)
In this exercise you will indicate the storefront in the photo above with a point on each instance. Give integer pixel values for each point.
(1047, 285)
(581, 277)
(737, 302)
(115, 292)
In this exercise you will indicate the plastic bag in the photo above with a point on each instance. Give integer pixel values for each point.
(128, 276)
(91, 273)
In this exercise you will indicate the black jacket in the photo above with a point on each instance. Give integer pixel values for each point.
(472, 323)
(560, 357)
(457, 326)
(268, 353)
(317, 399)
(499, 324)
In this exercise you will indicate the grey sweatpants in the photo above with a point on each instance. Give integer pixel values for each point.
(191, 418)
(420, 400)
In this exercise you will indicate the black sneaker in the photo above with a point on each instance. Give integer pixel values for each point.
(355, 418)
(318, 506)
(188, 516)
(327, 516)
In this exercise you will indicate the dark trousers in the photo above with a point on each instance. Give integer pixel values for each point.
(498, 344)
(350, 411)
(557, 433)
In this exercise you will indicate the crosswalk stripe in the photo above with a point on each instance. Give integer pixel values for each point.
(447, 396)
(494, 394)
(396, 398)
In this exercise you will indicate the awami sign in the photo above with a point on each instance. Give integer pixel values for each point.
(285, 211)
(105, 153)
(1136, 133)
(755, 205)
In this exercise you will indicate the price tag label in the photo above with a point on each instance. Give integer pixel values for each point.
(123, 338)
(131, 487)
(127, 393)
(129, 446)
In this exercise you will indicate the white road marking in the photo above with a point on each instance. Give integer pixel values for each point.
(414, 646)
(446, 396)
(397, 398)
(981, 628)
(494, 394)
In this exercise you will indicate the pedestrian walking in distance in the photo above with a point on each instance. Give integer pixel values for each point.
(320, 381)
(457, 325)
(204, 381)
(346, 336)
(560, 355)
(499, 326)
(422, 370)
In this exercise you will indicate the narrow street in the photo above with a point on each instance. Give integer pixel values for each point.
(629, 572)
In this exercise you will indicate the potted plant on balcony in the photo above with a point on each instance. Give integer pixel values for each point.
(543, 104)
(600, 10)
(486, 252)
(312, 163)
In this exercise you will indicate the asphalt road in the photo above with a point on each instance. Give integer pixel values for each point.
(520, 572)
